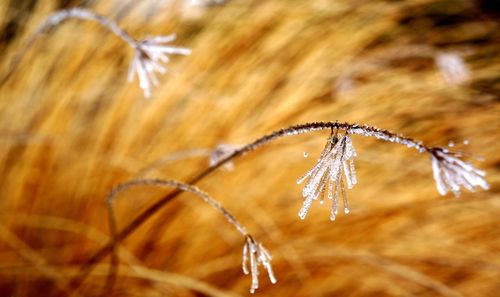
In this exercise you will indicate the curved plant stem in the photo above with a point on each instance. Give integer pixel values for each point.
(290, 131)
(85, 14)
(62, 15)
(253, 251)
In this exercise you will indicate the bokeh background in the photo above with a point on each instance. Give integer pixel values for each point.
(71, 128)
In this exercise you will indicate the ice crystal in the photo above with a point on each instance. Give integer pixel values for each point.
(452, 67)
(337, 158)
(450, 173)
(255, 253)
(221, 152)
(149, 55)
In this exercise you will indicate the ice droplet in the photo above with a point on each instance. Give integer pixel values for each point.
(451, 144)
(306, 154)
(466, 142)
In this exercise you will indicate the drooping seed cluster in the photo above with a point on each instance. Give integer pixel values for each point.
(149, 55)
(335, 163)
(450, 173)
(255, 253)
(221, 152)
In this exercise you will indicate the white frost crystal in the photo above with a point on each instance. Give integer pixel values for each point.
(221, 152)
(149, 55)
(450, 173)
(335, 163)
(255, 253)
(453, 68)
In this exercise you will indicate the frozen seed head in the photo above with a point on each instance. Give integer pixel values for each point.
(335, 165)
(150, 53)
(452, 68)
(149, 58)
(255, 254)
(221, 152)
(450, 173)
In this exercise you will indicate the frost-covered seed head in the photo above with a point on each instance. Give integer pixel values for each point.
(335, 163)
(221, 152)
(255, 253)
(149, 57)
(450, 173)
(452, 68)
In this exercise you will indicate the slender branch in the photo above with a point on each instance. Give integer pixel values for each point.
(150, 54)
(62, 15)
(252, 250)
(85, 14)
(290, 131)
(169, 184)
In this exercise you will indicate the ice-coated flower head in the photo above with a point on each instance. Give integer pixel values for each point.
(452, 68)
(221, 152)
(149, 55)
(450, 173)
(337, 158)
(255, 253)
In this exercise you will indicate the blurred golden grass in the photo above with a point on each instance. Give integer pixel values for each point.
(71, 128)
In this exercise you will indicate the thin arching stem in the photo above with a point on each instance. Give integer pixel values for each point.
(62, 15)
(290, 131)
(85, 14)
(113, 194)
(170, 184)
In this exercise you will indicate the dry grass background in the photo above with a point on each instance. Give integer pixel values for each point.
(71, 128)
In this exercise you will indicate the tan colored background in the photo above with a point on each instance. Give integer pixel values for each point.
(71, 127)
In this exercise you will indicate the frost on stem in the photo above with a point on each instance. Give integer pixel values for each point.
(335, 163)
(149, 55)
(255, 253)
(444, 163)
(450, 173)
(221, 152)
(452, 68)
(252, 250)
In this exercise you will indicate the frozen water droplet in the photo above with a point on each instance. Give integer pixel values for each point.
(466, 141)
(346, 210)
(306, 154)
(451, 144)
(321, 201)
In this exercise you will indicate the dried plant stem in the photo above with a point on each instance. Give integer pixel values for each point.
(62, 15)
(170, 184)
(85, 14)
(150, 54)
(160, 183)
(290, 131)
